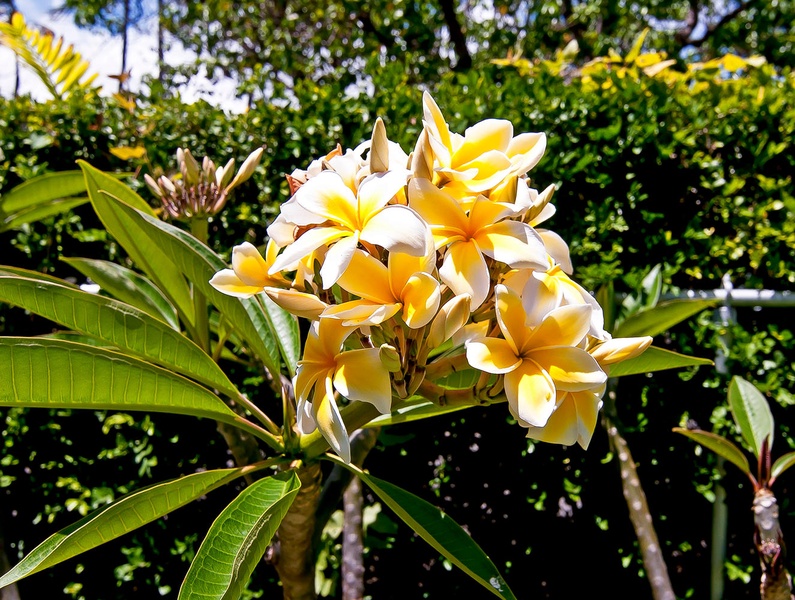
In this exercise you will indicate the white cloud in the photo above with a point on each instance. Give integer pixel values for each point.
(103, 52)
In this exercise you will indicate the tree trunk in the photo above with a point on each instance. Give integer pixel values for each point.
(653, 562)
(292, 554)
(353, 543)
(776, 581)
(124, 39)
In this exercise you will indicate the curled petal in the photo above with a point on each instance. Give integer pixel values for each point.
(421, 298)
(572, 369)
(489, 134)
(514, 243)
(531, 393)
(329, 422)
(557, 249)
(298, 303)
(378, 189)
(337, 260)
(511, 317)
(357, 313)
(362, 377)
(304, 246)
(327, 196)
(227, 282)
(368, 278)
(451, 318)
(493, 355)
(437, 208)
(249, 265)
(525, 150)
(398, 228)
(465, 272)
(564, 326)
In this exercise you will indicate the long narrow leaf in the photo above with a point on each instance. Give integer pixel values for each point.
(39, 212)
(44, 188)
(752, 414)
(128, 286)
(9, 270)
(120, 324)
(655, 359)
(661, 318)
(238, 538)
(719, 445)
(48, 373)
(199, 263)
(782, 464)
(126, 514)
(414, 412)
(439, 530)
(285, 327)
(146, 254)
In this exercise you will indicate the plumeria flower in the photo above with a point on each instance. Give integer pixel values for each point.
(249, 272)
(539, 361)
(358, 375)
(573, 421)
(485, 155)
(485, 231)
(544, 290)
(404, 284)
(340, 219)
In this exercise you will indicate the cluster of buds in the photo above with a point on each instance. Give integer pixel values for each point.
(423, 271)
(199, 192)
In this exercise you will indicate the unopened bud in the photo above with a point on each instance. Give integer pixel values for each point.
(246, 169)
(379, 148)
(152, 185)
(618, 349)
(422, 157)
(451, 317)
(390, 358)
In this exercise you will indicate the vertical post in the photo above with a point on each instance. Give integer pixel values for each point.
(725, 316)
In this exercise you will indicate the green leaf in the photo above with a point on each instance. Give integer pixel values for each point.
(128, 286)
(7, 270)
(652, 286)
(199, 263)
(285, 327)
(660, 318)
(146, 254)
(655, 359)
(752, 414)
(39, 212)
(414, 412)
(124, 515)
(120, 324)
(718, 444)
(439, 530)
(41, 189)
(47, 373)
(238, 538)
(781, 465)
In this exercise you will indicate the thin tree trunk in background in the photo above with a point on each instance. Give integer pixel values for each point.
(464, 59)
(352, 543)
(124, 35)
(160, 51)
(639, 514)
(10, 592)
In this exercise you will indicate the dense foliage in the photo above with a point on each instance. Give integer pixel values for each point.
(692, 172)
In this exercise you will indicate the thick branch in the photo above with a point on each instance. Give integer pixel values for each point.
(457, 36)
(724, 20)
(682, 35)
(776, 581)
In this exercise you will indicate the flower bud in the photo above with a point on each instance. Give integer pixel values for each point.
(246, 169)
(379, 148)
(451, 317)
(390, 358)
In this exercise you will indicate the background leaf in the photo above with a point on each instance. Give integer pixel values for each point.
(718, 444)
(660, 318)
(752, 414)
(655, 359)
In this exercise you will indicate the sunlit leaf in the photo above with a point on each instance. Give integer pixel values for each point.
(422, 409)
(238, 538)
(439, 530)
(124, 515)
(782, 464)
(119, 324)
(660, 318)
(128, 152)
(719, 445)
(655, 359)
(752, 414)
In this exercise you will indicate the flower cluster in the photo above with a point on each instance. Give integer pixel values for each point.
(419, 269)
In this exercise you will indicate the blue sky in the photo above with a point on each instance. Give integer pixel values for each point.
(104, 55)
